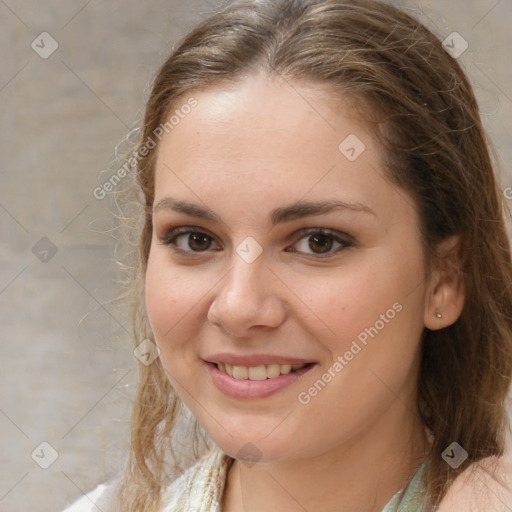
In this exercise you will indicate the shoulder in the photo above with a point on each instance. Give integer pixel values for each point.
(485, 486)
(100, 499)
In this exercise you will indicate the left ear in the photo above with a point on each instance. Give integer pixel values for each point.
(445, 293)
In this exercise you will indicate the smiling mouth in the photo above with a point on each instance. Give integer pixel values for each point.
(261, 372)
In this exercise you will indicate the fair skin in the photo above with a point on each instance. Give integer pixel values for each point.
(477, 490)
(243, 152)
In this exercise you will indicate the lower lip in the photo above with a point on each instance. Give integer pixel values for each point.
(245, 388)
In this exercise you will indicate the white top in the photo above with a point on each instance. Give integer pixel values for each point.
(87, 503)
(198, 489)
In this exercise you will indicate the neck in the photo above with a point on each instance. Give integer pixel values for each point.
(360, 475)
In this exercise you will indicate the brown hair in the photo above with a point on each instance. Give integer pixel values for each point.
(438, 153)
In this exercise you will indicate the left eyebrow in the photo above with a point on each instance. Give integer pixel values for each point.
(277, 216)
(306, 209)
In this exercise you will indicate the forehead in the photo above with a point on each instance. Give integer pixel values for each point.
(261, 118)
(266, 139)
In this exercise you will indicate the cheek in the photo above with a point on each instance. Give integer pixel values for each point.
(374, 302)
(377, 325)
(173, 302)
(171, 299)
(346, 302)
(160, 302)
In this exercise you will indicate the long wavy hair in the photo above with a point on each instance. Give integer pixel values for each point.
(421, 108)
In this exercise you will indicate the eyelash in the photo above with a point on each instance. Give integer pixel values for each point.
(174, 234)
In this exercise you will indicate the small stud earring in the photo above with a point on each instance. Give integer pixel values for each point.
(439, 315)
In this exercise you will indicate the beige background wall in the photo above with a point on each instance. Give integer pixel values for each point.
(66, 369)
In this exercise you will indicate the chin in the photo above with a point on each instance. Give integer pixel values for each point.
(256, 449)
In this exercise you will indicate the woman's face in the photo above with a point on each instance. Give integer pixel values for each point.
(278, 274)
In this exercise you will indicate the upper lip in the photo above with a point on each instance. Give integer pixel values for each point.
(255, 359)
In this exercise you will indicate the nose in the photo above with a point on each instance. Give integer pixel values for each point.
(245, 302)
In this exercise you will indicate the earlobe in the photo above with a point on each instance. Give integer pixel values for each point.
(445, 294)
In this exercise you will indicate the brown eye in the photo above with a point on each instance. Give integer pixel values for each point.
(199, 241)
(188, 240)
(320, 243)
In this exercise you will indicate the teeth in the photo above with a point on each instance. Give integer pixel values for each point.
(257, 372)
(240, 372)
(286, 368)
(273, 371)
(261, 372)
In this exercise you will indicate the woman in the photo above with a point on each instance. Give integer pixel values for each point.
(324, 269)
